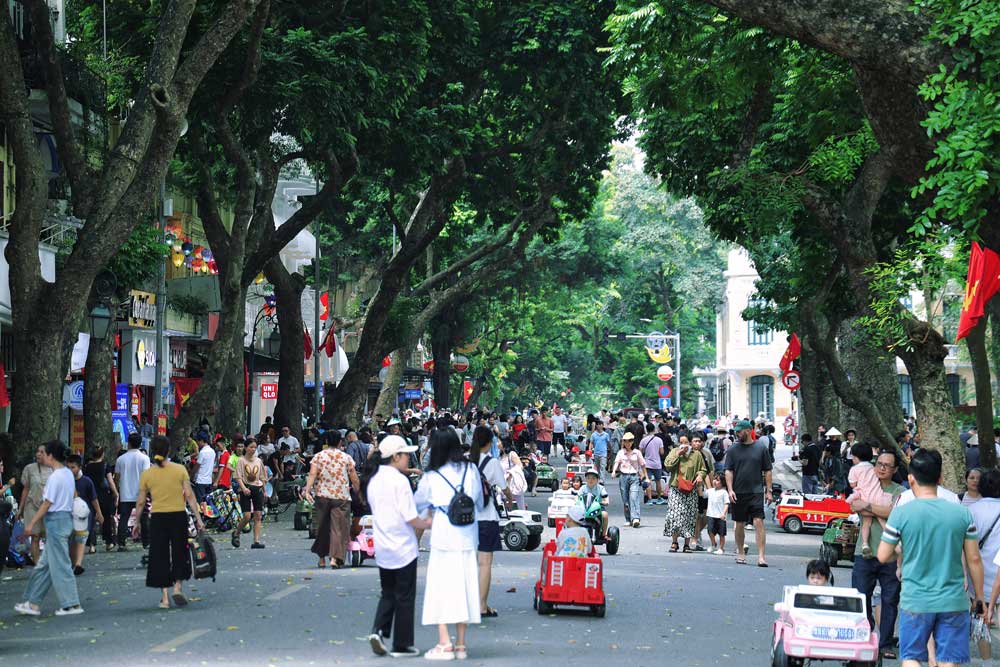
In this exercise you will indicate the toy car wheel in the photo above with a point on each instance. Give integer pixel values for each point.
(516, 538)
(534, 541)
(301, 521)
(356, 558)
(598, 610)
(534, 601)
(780, 659)
(542, 606)
(829, 554)
(613, 539)
(793, 524)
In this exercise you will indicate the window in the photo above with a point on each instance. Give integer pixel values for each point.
(954, 383)
(757, 334)
(762, 396)
(723, 400)
(906, 395)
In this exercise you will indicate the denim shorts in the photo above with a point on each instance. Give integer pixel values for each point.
(655, 473)
(950, 630)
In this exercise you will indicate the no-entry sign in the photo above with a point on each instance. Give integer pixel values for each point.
(791, 380)
(664, 391)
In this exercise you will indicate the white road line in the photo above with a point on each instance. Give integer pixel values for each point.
(167, 647)
(284, 592)
(61, 637)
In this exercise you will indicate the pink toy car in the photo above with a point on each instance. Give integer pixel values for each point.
(362, 546)
(823, 623)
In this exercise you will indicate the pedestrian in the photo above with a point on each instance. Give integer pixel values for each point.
(748, 480)
(128, 468)
(698, 445)
(986, 514)
(972, 493)
(688, 470)
(487, 517)
(517, 428)
(631, 467)
(543, 432)
(516, 480)
(559, 430)
(251, 476)
(53, 569)
(333, 476)
(652, 450)
(718, 508)
(204, 468)
(870, 572)
(452, 586)
(85, 491)
(809, 457)
(867, 487)
(617, 431)
(934, 535)
(395, 525)
(600, 443)
(102, 475)
(168, 486)
(33, 479)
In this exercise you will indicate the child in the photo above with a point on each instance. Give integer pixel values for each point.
(576, 485)
(563, 490)
(718, 508)
(574, 540)
(818, 573)
(868, 488)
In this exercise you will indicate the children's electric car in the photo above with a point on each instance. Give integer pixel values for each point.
(823, 623)
(559, 505)
(797, 511)
(574, 469)
(840, 539)
(363, 545)
(521, 530)
(547, 477)
(570, 581)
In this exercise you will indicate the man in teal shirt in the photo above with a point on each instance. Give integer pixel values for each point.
(934, 534)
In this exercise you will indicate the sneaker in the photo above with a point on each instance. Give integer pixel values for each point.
(719, 552)
(410, 652)
(635, 523)
(235, 541)
(69, 611)
(698, 547)
(661, 501)
(256, 545)
(25, 609)
(378, 644)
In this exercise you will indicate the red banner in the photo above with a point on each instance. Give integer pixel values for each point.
(4, 398)
(980, 286)
(184, 388)
(324, 302)
(329, 344)
(791, 354)
(466, 391)
(308, 344)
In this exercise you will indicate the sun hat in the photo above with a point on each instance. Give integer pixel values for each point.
(576, 513)
(628, 436)
(394, 444)
(833, 432)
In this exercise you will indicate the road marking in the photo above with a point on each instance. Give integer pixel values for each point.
(61, 637)
(167, 647)
(285, 592)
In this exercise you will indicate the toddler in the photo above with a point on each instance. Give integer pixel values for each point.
(818, 573)
(718, 508)
(867, 488)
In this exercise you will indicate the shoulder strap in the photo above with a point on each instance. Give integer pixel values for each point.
(982, 540)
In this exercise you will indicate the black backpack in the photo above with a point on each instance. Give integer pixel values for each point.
(461, 509)
(718, 448)
(203, 557)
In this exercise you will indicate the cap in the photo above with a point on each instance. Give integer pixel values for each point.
(628, 436)
(576, 513)
(833, 432)
(202, 436)
(743, 424)
(394, 444)
(592, 471)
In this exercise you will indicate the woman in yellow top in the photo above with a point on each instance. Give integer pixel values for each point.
(169, 487)
(686, 466)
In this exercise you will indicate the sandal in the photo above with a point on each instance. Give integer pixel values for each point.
(687, 549)
(489, 613)
(460, 652)
(741, 561)
(441, 652)
(321, 564)
(888, 654)
(164, 605)
(674, 547)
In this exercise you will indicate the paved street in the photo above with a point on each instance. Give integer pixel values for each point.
(272, 607)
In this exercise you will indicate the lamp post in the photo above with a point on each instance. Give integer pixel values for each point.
(267, 313)
(101, 320)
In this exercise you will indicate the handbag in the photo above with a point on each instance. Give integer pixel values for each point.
(685, 485)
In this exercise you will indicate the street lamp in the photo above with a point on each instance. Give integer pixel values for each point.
(267, 313)
(100, 319)
(273, 344)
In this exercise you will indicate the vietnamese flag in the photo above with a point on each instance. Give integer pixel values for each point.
(466, 391)
(307, 343)
(980, 286)
(791, 354)
(324, 302)
(183, 389)
(329, 344)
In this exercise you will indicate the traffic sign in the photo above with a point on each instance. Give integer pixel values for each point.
(656, 341)
(665, 373)
(664, 404)
(664, 391)
(791, 380)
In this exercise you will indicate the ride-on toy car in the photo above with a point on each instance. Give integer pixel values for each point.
(574, 469)
(797, 511)
(840, 539)
(521, 530)
(592, 509)
(559, 504)
(362, 546)
(570, 581)
(823, 623)
(547, 478)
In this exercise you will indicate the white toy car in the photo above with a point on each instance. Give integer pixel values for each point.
(521, 530)
(823, 623)
(559, 504)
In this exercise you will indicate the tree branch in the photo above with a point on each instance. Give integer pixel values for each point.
(251, 64)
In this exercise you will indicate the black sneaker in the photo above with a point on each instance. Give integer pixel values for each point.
(235, 541)
(256, 545)
(378, 644)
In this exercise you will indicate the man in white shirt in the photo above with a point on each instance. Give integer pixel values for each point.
(395, 523)
(204, 468)
(291, 440)
(128, 468)
(558, 430)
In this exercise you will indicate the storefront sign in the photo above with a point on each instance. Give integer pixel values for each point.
(178, 358)
(144, 356)
(269, 392)
(73, 396)
(142, 309)
(139, 357)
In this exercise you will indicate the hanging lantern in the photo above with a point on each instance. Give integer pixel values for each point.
(204, 267)
(260, 278)
(188, 261)
(206, 254)
(178, 259)
(196, 262)
(176, 247)
(459, 363)
(196, 251)
(187, 247)
(212, 267)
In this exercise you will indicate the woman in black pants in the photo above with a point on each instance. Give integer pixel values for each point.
(169, 487)
(102, 475)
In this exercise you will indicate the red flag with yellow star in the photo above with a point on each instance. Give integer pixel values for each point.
(983, 282)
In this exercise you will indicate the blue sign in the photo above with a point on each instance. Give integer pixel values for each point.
(76, 395)
(664, 404)
(121, 420)
(413, 394)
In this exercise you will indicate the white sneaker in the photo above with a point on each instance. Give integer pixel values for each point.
(25, 609)
(719, 552)
(378, 645)
(69, 611)
(411, 652)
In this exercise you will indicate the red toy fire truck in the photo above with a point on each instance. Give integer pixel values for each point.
(570, 581)
(797, 511)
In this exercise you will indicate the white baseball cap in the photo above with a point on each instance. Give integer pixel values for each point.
(394, 444)
(576, 513)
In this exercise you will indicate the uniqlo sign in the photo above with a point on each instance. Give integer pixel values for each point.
(269, 391)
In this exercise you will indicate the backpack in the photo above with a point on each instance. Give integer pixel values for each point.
(718, 448)
(461, 510)
(771, 444)
(203, 557)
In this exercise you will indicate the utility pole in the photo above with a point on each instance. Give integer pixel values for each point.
(161, 298)
(317, 384)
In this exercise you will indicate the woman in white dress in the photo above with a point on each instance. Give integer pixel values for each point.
(516, 481)
(451, 594)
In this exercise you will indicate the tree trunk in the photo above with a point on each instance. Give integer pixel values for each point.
(993, 309)
(388, 398)
(872, 371)
(935, 414)
(231, 408)
(441, 341)
(288, 289)
(976, 341)
(97, 391)
(819, 402)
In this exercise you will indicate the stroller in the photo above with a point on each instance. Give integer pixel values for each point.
(221, 509)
